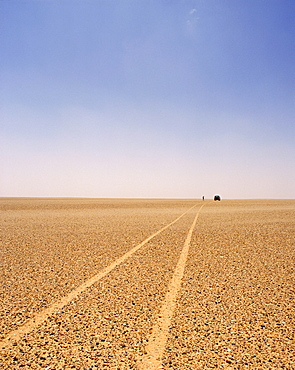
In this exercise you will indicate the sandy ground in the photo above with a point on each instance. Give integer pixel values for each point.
(234, 308)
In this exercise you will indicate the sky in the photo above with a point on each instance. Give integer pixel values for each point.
(147, 99)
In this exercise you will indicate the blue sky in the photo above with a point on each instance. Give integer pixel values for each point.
(155, 98)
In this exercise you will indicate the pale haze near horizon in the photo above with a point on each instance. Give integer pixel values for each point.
(147, 99)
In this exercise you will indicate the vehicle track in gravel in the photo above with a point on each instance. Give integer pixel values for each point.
(15, 335)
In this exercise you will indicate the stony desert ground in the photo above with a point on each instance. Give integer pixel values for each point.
(147, 284)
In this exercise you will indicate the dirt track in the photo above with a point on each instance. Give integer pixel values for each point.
(234, 308)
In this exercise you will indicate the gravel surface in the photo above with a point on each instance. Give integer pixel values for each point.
(235, 309)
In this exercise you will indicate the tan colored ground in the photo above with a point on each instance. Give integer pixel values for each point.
(234, 308)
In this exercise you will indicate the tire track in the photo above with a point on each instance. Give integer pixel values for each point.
(156, 345)
(34, 322)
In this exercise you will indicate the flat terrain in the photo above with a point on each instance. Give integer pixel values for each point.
(147, 284)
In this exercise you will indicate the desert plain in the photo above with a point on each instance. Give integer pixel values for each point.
(147, 284)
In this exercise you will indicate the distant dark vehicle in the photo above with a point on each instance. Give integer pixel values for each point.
(217, 197)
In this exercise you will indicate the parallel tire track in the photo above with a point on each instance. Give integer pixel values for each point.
(33, 323)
